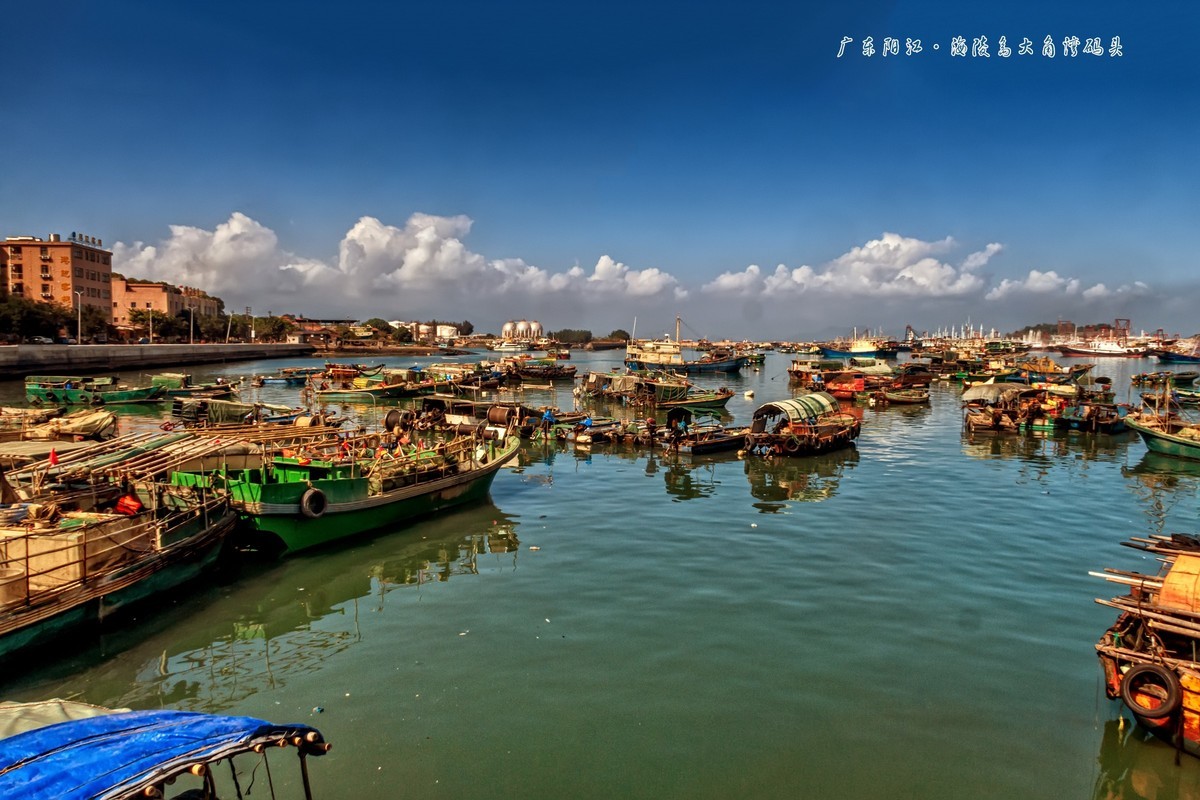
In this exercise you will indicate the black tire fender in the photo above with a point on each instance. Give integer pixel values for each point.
(791, 445)
(1157, 679)
(313, 503)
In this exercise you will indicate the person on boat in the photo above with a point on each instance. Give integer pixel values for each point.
(651, 429)
(548, 420)
(587, 422)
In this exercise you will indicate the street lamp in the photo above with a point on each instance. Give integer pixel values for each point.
(192, 325)
(79, 317)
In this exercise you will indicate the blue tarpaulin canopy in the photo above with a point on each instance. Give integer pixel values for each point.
(116, 755)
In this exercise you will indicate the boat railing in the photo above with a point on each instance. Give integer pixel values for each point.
(42, 561)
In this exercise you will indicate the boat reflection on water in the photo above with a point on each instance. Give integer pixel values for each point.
(1050, 446)
(687, 478)
(1161, 482)
(1135, 765)
(275, 624)
(776, 481)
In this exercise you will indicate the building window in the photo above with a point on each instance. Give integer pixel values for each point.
(14, 249)
(106, 294)
(147, 305)
(132, 304)
(108, 260)
(77, 252)
(16, 270)
(45, 251)
(18, 289)
(104, 277)
(79, 272)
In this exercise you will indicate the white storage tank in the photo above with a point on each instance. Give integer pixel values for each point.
(535, 330)
(447, 332)
(509, 330)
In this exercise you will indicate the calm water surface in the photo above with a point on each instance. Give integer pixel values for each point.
(912, 618)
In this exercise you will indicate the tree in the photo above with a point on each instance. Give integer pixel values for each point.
(381, 326)
(571, 336)
(21, 318)
(465, 328)
(272, 329)
(402, 335)
(619, 334)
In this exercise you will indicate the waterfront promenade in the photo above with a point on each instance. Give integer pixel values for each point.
(17, 361)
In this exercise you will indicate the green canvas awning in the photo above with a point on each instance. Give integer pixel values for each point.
(805, 406)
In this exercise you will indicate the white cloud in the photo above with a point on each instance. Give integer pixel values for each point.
(1051, 283)
(747, 282)
(378, 264)
(890, 266)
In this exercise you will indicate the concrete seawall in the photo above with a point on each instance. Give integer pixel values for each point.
(17, 361)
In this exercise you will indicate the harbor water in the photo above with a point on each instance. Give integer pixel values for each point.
(912, 618)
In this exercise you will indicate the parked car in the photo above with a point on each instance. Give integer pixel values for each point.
(67, 340)
(143, 340)
(40, 340)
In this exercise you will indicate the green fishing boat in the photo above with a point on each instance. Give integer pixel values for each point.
(1168, 435)
(295, 500)
(60, 570)
(72, 390)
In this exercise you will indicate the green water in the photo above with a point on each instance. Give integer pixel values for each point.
(912, 618)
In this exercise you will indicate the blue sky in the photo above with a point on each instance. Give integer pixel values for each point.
(586, 165)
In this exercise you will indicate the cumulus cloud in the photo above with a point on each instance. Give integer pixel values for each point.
(1050, 283)
(890, 266)
(239, 255)
(242, 262)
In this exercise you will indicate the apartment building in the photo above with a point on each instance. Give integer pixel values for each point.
(70, 272)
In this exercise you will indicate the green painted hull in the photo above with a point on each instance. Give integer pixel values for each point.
(89, 397)
(1159, 441)
(351, 509)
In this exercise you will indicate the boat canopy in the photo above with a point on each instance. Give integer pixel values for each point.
(800, 408)
(117, 754)
(992, 393)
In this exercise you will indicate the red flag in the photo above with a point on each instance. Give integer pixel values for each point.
(53, 457)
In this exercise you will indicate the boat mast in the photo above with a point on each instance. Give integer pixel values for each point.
(678, 321)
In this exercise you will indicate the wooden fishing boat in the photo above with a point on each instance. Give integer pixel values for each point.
(180, 384)
(805, 425)
(320, 495)
(86, 423)
(63, 569)
(1149, 655)
(14, 422)
(72, 390)
(279, 379)
(704, 439)
(906, 396)
(74, 751)
(204, 411)
(334, 369)
(1167, 433)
